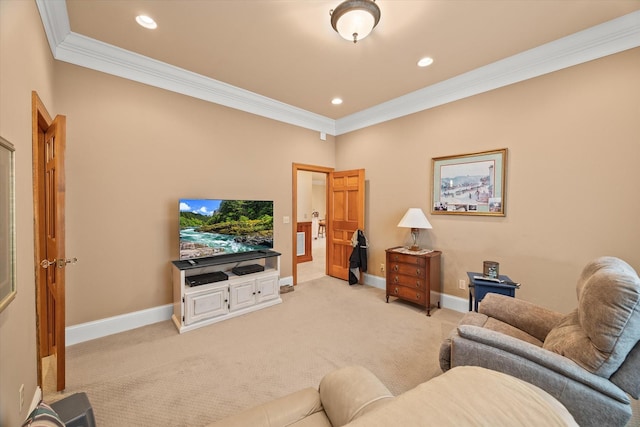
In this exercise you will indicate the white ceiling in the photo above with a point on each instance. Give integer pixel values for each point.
(282, 59)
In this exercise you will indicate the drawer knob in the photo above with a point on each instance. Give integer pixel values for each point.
(417, 283)
(418, 272)
(395, 267)
(395, 258)
(395, 291)
(395, 279)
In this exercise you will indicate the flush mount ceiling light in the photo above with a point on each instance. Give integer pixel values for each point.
(355, 19)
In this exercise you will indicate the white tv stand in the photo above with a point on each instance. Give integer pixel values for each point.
(197, 306)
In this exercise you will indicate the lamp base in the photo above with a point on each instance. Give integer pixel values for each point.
(414, 236)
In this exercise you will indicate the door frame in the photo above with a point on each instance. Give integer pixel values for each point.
(41, 122)
(294, 209)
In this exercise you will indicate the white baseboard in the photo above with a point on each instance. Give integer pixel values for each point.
(446, 301)
(286, 281)
(112, 325)
(454, 303)
(37, 397)
(375, 281)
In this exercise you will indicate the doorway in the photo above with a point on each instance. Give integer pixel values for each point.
(312, 219)
(48, 146)
(345, 195)
(302, 189)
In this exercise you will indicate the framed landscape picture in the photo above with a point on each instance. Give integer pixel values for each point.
(7, 225)
(469, 184)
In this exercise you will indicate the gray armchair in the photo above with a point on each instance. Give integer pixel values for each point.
(589, 359)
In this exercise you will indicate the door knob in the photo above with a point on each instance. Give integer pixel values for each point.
(60, 263)
(45, 263)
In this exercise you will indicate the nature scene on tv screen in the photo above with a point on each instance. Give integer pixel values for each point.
(211, 227)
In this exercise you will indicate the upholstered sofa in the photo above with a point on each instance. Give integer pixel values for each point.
(588, 359)
(465, 396)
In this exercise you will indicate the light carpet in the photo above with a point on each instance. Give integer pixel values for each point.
(153, 376)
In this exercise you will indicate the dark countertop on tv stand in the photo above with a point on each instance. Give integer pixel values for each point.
(224, 259)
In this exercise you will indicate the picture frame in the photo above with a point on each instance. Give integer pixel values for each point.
(8, 285)
(469, 184)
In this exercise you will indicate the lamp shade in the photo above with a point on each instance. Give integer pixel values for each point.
(414, 218)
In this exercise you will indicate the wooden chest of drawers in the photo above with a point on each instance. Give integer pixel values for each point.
(412, 276)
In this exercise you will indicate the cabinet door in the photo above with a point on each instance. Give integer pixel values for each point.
(206, 304)
(243, 294)
(267, 288)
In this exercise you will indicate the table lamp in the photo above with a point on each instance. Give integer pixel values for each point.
(415, 220)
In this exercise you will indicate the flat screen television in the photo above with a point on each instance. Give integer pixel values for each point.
(210, 227)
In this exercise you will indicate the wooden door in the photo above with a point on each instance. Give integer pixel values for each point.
(345, 216)
(49, 206)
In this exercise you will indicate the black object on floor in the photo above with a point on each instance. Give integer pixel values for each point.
(75, 411)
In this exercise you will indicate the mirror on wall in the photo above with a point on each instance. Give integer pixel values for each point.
(7, 224)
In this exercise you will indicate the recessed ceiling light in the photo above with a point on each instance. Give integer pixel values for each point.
(425, 62)
(336, 101)
(146, 22)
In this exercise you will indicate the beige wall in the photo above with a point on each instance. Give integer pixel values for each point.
(312, 195)
(132, 152)
(319, 196)
(305, 204)
(26, 64)
(574, 144)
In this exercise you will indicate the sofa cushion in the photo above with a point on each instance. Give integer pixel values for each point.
(604, 328)
(284, 411)
(317, 419)
(534, 320)
(350, 392)
(628, 376)
(471, 396)
(505, 328)
(482, 320)
(470, 318)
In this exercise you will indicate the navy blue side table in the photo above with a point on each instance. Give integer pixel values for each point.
(478, 288)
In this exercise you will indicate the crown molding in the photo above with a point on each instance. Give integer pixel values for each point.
(605, 39)
(77, 49)
(55, 20)
(90, 53)
(596, 42)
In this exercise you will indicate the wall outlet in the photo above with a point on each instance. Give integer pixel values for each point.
(382, 268)
(21, 396)
(285, 220)
(462, 284)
